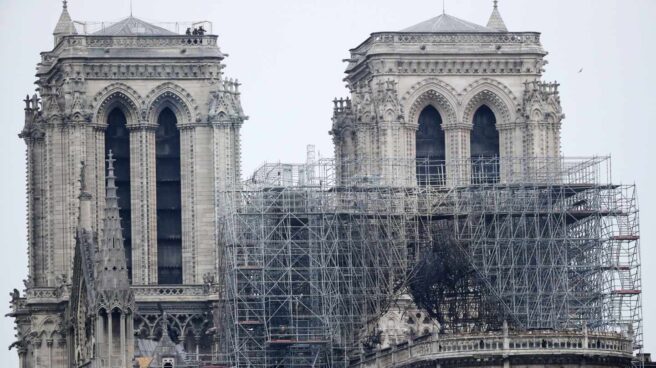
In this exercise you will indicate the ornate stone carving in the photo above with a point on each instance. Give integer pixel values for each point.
(437, 100)
(495, 95)
(387, 104)
(109, 71)
(116, 94)
(182, 324)
(225, 103)
(33, 128)
(493, 38)
(145, 42)
(171, 95)
(343, 117)
(541, 103)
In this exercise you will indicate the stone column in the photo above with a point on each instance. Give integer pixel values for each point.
(458, 153)
(69, 151)
(197, 184)
(100, 336)
(144, 203)
(65, 347)
(130, 336)
(197, 343)
(38, 359)
(22, 352)
(36, 208)
(226, 150)
(187, 190)
(95, 171)
(511, 151)
(110, 338)
(227, 154)
(49, 343)
(409, 136)
(349, 156)
(124, 351)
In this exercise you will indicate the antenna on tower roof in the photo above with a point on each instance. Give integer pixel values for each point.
(130, 7)
(496, 3)
(443, 7)
(65, 4)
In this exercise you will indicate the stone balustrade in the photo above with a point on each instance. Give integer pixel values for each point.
(532, 343)
(148, 293)
(47, 294)
(174, 293)
(493, 38)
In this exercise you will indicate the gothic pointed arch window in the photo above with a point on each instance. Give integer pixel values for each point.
(117, 139)
(169, 208)
(485, 146)
(430, 148)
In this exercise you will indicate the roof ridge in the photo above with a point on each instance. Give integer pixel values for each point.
(131, 26)
(445, 23)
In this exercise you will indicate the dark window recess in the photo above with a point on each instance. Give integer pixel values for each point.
(169, 214)
(430, 148)
(117, 139)
(485, 146)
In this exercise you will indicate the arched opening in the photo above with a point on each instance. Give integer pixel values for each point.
(169, 214)
(485, 147)
(117, 139)
(430, 148)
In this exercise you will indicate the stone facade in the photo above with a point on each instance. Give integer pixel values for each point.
(393, 76)
(97, 293)
(85, 78)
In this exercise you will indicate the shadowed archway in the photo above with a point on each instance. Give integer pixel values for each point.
(485, 146)
(169, 208)
(430, 148)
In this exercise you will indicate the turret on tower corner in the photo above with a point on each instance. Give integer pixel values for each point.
(496, 22)
(65, 25)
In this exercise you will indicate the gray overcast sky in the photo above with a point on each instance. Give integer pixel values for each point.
(287, 54)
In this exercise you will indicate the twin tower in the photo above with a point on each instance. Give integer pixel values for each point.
(442, 95)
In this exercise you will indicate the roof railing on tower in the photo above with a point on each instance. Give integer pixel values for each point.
(180, 28)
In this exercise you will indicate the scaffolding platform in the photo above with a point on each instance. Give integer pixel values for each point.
(553, 244)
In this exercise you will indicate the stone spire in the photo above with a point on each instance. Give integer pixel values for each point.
(496, 22)
(112, 264)
(65, 25)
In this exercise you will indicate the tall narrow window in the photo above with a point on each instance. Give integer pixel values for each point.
(485, 146)
(117, 139)
(430, 148)
(169, 214)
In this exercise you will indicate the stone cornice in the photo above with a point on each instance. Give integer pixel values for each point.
(122, 70)
(131, 48)
(401, 65)
(491, 50)
(457, 126)
(143, 125)
(237, 123)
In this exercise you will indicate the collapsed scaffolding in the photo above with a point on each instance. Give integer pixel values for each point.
(314, 255)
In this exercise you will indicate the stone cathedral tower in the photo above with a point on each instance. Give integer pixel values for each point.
(474, 90)
(158, 100)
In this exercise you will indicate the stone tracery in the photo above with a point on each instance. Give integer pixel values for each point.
(116, 95)
(175, 97)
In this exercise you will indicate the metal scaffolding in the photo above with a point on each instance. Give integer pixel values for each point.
(314, 254)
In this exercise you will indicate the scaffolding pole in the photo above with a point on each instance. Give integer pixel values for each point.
(314, 254)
